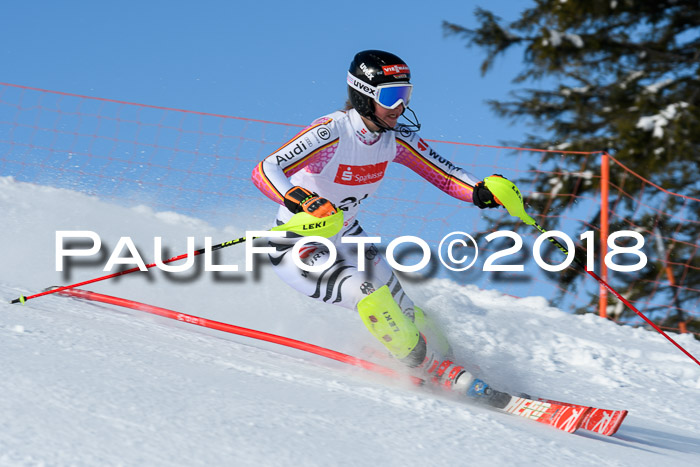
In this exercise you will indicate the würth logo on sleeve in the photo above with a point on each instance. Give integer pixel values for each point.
(360, 174)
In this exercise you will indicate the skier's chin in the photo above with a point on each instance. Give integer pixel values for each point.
(392, 122)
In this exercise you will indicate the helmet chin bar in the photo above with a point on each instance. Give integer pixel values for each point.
(405, 129)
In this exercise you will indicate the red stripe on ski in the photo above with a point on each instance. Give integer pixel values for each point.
(602, 421)
(563, 417)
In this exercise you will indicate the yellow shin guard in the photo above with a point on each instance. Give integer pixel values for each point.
(384, 319)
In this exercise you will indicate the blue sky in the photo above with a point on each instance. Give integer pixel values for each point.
(270, 60)
(281, 61)
(273, 60)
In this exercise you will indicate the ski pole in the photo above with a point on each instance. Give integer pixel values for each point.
(509, 196)
(302, 223)
(22, 299)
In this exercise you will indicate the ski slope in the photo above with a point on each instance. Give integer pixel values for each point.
(89, 384)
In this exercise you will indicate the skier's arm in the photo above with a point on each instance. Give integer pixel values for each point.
(415, 154)
(311, 149)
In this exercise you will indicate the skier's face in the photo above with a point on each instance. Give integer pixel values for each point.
(388, 116)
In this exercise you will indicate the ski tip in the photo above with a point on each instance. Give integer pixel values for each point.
(614, 422)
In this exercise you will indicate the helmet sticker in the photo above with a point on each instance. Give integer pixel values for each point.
(366, 70)
(395, 69)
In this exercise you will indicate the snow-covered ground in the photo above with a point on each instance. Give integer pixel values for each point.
(89, 384)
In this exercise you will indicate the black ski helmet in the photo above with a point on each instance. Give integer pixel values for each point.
(376, 67)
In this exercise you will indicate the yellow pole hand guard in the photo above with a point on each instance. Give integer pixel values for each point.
(305, 224)
(509, 196)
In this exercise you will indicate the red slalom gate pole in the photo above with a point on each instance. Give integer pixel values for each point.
(240, 331)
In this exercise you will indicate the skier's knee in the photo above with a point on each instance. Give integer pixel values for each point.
(385, 320)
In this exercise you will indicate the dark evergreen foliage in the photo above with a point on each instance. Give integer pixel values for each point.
(626, 77)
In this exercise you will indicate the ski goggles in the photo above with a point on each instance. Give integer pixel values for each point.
(388, 96)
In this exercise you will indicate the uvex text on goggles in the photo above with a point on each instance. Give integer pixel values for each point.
(388, 96)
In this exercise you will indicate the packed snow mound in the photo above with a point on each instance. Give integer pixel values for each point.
(92, 384)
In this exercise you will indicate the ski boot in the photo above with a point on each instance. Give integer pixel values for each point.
(485, 394)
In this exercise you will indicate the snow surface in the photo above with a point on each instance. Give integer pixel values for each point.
(90, 384)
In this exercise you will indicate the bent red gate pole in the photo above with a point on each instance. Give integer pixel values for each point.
(240, 331)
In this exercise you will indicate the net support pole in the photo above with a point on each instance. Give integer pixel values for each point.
(604, 230)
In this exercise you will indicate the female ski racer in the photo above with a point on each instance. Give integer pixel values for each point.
(336, 163)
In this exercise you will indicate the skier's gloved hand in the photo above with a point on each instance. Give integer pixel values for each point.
(482, 196)
(299, 199)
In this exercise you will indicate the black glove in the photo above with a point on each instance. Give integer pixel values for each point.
(482, 196)
(299, 199)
